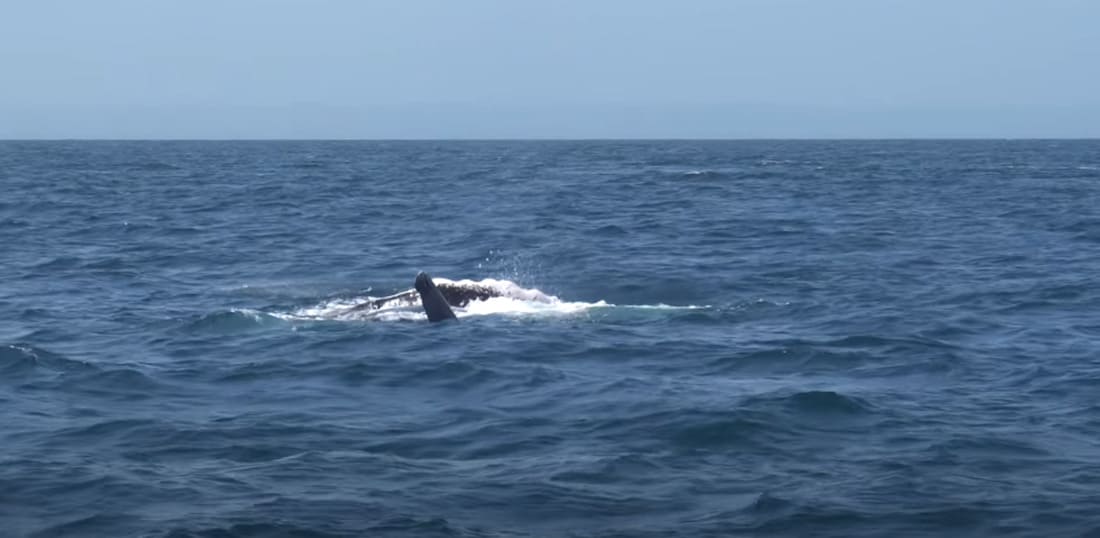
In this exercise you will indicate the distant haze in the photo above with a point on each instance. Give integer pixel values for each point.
(556, 69)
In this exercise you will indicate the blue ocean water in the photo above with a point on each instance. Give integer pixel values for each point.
(765, 338)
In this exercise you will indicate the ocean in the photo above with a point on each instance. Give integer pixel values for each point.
(737, 338)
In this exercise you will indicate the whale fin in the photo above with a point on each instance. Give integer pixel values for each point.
(435, 306)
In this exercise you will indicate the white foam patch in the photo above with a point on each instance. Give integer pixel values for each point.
(335, 309)
(509, 306)
(254, 315)
(661, 306)
(506, 288)
(392, 314)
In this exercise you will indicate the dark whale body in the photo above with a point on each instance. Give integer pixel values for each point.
(436, 299)
(435, 305)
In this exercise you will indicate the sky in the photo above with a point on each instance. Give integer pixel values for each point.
(549, 69)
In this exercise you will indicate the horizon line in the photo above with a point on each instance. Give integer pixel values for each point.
(572, 139)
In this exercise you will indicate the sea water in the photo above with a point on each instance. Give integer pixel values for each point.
(729, 338)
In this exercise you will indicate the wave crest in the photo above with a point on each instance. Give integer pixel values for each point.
(24, 359)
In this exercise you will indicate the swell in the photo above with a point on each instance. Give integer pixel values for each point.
(22, 361)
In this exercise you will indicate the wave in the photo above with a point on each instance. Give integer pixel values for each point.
(23, 359)
(121, 384)
(231, 321)
(150, 166)
(705, 174)
(815, 403)
(251, 525)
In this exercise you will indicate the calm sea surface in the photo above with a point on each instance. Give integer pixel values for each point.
(751, 339)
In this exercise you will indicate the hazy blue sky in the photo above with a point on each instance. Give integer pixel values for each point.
(561, 68)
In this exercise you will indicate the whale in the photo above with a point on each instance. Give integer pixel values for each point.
(432, 300)
(438, 299)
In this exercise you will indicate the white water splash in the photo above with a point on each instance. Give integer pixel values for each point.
(662, 306)
(506, 289)
(510, 306)
(513, 301)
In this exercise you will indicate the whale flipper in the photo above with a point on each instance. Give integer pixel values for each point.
(435, 306)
